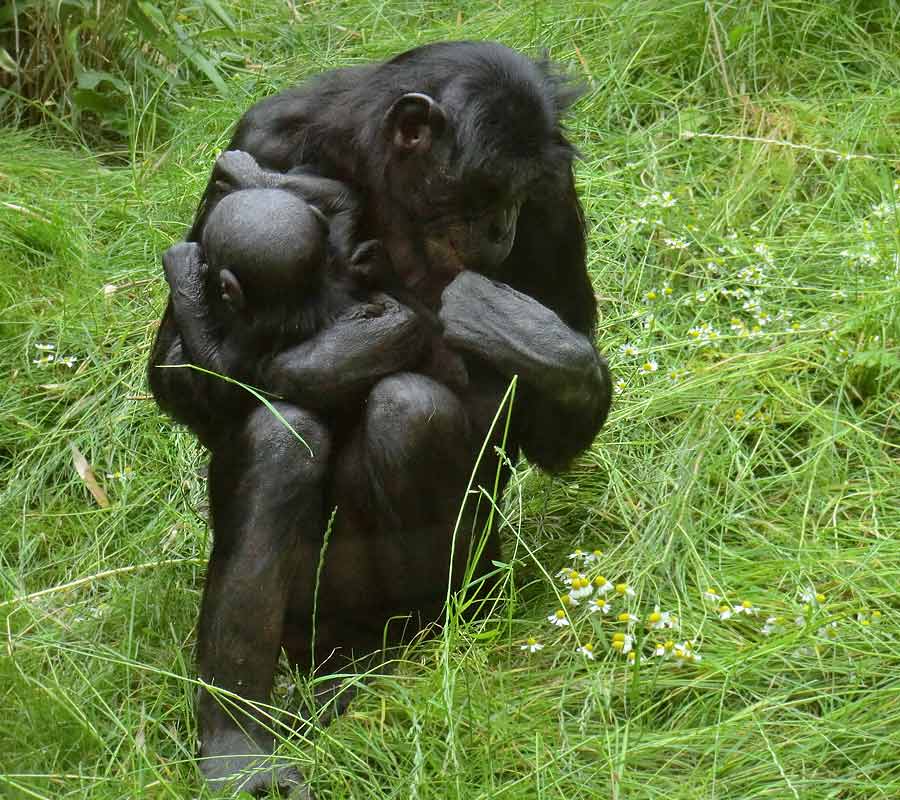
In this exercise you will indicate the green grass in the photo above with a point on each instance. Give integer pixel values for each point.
(770, 464)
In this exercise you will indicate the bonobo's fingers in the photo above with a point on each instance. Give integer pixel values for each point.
(235, 170)
(183, 265)
(367, 251)
(379, 305)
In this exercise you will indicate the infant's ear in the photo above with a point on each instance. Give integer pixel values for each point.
(230, 288)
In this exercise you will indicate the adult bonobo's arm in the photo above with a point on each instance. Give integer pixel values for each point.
(565, 392)
(542, 330)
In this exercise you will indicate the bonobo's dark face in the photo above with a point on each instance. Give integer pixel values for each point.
(459, 172)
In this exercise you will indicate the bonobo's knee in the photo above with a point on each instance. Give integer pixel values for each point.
(409, 415)
(290, 446)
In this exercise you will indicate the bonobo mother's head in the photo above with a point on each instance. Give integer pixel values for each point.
(470, 137)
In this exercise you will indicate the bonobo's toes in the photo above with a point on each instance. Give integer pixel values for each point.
(257, 777)
(369, 249)
(251, 771)
(369, 264)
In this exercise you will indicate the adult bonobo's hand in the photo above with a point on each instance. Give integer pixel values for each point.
(185, 271)
(515, 333)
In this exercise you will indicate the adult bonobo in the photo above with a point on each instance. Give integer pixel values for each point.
(462, 171)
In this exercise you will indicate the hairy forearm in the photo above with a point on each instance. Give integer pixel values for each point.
(519, 336)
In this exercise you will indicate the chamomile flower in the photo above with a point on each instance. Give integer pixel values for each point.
(618, 386)
(627, 618)
(746, 607)
(664, 649)
(773, 624)
(651, 295)
(676, 243)
(622, 643)
(725, 612)
(46, 348)
(650, 365)
(599, 604)
(630, 350)
(559, 618)
(868, 619)
(811, 597)
(602, 585)
(568, 575)
(587, 650)
(624, 590)
(660, 620)
(709, 594)
(685, 653)
(43, 361)
(532, 645)
(828, 631)
(577, 554)
(581, 588)
(593, 557)
(568, 600)
(67, 361)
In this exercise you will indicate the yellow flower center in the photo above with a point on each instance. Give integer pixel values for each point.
(560, 614)
(618, 644)
(655, 617)
(565, 600)
(621, 588)
(599, 580)
(618, 637)
(746, 604)
(624, 616)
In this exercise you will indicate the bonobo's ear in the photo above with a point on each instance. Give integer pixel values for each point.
(231, 290)
(414, 122)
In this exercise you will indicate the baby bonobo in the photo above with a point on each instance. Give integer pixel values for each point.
(276, 266)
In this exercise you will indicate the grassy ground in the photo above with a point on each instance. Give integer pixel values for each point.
(740, 178)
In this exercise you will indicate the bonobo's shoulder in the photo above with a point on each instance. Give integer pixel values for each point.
(463, 52)
(306, 99)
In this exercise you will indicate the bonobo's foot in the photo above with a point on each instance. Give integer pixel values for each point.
(235, 170)
(235, 762)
